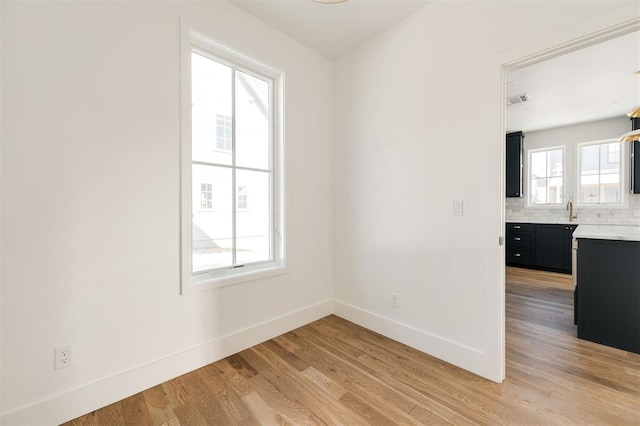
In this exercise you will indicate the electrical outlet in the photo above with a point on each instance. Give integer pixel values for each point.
(63, 357)
(457, 208)
(395, 300)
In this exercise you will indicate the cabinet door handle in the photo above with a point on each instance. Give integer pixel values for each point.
(517, 238)
(516, 226)
(517, 254)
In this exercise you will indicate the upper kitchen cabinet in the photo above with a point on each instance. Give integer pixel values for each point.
(635, 160)
(514, 164)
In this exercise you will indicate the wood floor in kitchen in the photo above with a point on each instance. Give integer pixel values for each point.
(334, 372)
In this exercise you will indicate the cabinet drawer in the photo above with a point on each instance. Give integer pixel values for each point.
(521, 227)
(519, 256)
(520, 240)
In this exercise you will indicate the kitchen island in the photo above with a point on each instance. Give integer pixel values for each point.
(608, 285)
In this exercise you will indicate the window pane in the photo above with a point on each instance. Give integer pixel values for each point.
(589, 194)
(589, 159)
(211, 110)
(554, 190)
(253, 224)
(539, 191)
(252, 122)
(555, 163)
(538, 164)
(212, 242)
(546, 177)
(600, 174)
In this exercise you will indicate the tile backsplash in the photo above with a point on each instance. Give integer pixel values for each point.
(516, 210)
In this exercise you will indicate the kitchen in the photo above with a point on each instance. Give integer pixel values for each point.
(572, 206)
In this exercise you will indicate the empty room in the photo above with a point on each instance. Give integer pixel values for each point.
(319, 212)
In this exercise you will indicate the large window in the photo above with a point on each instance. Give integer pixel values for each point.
(600, 174)
(232, 144)
(546, 176)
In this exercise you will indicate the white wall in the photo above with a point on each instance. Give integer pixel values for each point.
(90, 174)
(569, 137)
(416, 126)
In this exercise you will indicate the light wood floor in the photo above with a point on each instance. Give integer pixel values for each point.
(334, 372)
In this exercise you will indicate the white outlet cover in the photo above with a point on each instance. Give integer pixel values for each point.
(63, 357)
(457, 208)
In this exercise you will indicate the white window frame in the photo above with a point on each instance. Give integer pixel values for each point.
(624, 185)
(193, 39)
(564, 178)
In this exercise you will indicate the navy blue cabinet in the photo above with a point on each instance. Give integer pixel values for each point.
(539, 246)
(609, 293)
(514, 164)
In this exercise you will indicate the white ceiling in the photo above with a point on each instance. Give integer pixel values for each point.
(331, 29)
(590, 84)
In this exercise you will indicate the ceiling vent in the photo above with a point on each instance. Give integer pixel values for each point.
(518, 99)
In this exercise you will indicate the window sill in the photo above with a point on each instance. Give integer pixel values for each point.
(230, 277)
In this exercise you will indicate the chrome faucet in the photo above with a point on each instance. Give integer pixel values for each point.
(570, 209)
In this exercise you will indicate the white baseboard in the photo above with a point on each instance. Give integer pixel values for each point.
(468, 358)
(76, 402)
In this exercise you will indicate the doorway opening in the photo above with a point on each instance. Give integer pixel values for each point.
(549, 100)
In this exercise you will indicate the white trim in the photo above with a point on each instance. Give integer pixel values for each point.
(73, 403)
(192, 38)
(469, 358)
(205, 281)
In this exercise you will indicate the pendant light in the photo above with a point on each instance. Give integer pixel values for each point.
(634, 135)
(634, 114)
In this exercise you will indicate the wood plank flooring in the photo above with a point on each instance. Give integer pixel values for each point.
(334, 372)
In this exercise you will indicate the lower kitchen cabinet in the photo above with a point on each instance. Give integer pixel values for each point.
(520, 248)
(608, 284)
(539, 246)
(553, 247)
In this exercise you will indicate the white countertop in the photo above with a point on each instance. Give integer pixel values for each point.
(542, 221)
(608, 232)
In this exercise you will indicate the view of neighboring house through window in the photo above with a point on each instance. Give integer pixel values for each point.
(232, 148)
(546, 176)
(206, 196)
(223, 132)
(243, 201)
(600, 174)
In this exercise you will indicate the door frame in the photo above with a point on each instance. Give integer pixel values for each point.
(614, 24)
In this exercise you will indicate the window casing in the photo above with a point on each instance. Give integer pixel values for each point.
(546, 177)
(600, 174)
(232, 141)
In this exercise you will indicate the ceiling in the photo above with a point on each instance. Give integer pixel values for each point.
(331, 29)
(590, 84)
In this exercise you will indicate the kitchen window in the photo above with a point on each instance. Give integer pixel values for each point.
(546, 177)
(600, 174)
(232, 141)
